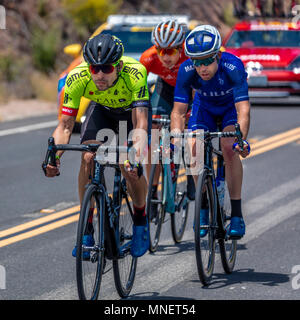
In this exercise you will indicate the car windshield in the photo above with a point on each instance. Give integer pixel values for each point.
(133, 41)
(265, 38)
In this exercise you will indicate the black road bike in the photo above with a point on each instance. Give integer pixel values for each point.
(219, 210)
(108, 218)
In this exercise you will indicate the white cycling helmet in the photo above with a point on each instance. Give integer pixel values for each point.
(168, 34)
(202, 41)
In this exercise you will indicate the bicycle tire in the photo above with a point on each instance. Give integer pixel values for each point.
(228, 247)
(179, 218)
(85, 267)
(155, 223)
(124, 268)
(205, 247)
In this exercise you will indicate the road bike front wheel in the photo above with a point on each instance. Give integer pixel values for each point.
(228, 247)
(90, 244)
(124, 267)
(205, 244)
(179, 217)
(154, 207)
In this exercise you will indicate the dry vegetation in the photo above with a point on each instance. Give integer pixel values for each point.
(31, 47)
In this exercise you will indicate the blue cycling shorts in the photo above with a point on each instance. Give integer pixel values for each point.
(206, 118)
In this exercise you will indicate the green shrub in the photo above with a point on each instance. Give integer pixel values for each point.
(90, 13)
(45, 46)
(8, 70)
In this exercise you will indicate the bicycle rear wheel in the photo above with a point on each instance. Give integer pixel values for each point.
(179, 217)
(205, 246)
(124, 267)
(90, 256)
(228, 247)
(154, 206)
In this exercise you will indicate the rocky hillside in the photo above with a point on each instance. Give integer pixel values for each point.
(31, 47)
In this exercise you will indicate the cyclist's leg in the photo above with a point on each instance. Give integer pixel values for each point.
(233, 174)
(200, 118)
(162, 104)
(234, 169)
(96, 120)
(137, 189)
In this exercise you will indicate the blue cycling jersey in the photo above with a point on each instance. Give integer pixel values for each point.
(227, 87)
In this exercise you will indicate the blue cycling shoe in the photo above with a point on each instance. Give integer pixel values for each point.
(237, 228)
(140, 240)
(204, 221)
(88, 241)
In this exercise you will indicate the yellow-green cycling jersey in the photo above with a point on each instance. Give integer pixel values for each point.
(129, 91)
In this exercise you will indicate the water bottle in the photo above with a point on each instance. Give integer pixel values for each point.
(221, 189)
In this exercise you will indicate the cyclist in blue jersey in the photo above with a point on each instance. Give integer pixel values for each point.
(220, 84)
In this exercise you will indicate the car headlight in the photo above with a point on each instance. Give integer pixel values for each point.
(295, 66)
(253, 68)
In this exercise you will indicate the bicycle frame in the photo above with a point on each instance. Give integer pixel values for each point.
(97, 178)
(169, 187)
(112, 206)
(209, 150)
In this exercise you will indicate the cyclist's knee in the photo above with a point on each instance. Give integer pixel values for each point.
(86, 158)
(228, 153)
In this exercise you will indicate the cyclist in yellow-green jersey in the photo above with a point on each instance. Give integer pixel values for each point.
(117, 86)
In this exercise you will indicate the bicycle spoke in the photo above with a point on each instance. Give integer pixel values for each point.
(154, 207)
(125, 266)
(179, 218)
(90, 254)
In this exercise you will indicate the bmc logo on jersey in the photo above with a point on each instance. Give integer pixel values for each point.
(76, 76)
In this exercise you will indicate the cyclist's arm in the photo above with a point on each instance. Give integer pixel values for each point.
(63, 131)
(238, 77)
(139, 137)
(178, 116)
(182, 95)
(70, 105)
(243, 116)
(140, 112)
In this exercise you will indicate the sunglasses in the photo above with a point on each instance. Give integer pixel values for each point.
(105, 68)
(206, 62)
(169, 52)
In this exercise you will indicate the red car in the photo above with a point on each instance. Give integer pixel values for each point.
(270, 51)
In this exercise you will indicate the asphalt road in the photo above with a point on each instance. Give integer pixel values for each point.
(37, 260)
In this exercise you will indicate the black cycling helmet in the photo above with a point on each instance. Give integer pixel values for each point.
(103, 49)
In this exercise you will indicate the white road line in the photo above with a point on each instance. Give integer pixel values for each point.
(267, 199)
(271, 219)
(158, 273)
(28, 128)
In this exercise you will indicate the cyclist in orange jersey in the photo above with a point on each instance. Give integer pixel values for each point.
(164, 59)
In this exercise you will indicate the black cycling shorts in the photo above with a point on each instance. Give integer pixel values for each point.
(99, 118)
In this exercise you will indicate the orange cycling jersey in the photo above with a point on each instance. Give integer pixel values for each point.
(152, 63)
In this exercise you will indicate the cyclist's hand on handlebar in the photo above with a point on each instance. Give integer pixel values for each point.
(134, 171)
(246, 148)
(53, 171)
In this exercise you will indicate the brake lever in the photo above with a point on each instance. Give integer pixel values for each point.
(50, 155)
(239, 136)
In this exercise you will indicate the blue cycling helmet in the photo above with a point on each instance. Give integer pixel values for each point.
(202, 41)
